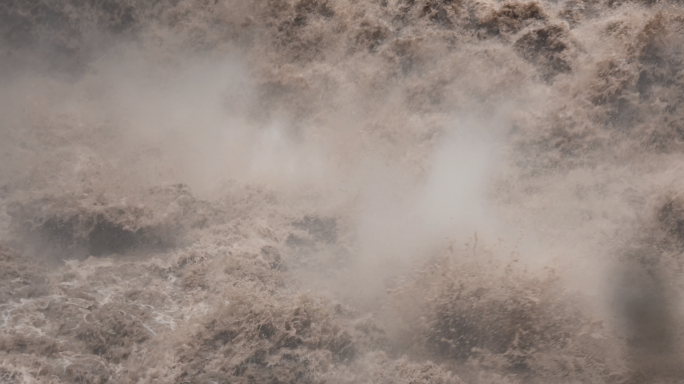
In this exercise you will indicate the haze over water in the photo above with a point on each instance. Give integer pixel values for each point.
(311, 191)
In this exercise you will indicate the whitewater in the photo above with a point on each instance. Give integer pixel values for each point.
(318, 191)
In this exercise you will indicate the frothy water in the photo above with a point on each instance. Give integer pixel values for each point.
(311, 191)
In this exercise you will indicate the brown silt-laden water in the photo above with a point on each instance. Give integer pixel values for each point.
(312, 191)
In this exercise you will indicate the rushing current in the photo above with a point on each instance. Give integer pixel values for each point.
(341, 191)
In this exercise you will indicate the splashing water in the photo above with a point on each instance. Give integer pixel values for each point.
(312, 191)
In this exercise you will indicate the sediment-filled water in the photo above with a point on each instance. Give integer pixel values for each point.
(312, 191)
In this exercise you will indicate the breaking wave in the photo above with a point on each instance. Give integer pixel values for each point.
(312, 191)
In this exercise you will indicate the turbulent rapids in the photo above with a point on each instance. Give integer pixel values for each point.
(319, 191)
